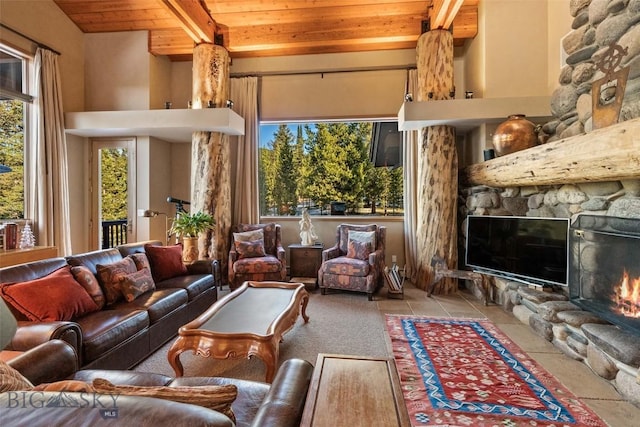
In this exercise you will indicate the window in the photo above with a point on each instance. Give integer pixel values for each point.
(14, 106)
(328, 168)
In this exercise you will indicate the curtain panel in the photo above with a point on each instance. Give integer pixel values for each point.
(244, 93)
(48, 203)
(410, 155)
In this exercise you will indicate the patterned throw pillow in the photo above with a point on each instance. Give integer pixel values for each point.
(110, 277)
(88, 281)
(166, 261)
(57, 296)
(141, 261)
(251, 249)
(216, 397)
(249, 236)
(359, 250)
(12, 380)
(363, 236)
(135, 284)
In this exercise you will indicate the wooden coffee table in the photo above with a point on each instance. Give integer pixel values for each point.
(249, 321)
(354, 391)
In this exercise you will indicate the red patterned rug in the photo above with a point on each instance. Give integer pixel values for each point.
(466, 372)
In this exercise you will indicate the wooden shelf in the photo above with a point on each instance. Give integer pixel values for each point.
(607, 154)
(20, 256)
(465, 114)
(173, 125)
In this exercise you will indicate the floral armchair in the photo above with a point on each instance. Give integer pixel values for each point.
(356, 261)
(256, 254)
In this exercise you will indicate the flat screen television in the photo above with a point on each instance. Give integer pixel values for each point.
(526, 249)
(386, 145)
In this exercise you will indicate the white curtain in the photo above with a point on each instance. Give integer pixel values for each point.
(411, 151)
(244, 93)
(48, 202)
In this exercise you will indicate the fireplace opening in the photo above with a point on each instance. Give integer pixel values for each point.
(604, 268)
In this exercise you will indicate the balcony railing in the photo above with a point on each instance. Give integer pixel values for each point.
(114, 233)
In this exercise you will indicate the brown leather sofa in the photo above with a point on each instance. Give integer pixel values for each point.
(123, 334)
(257, 404)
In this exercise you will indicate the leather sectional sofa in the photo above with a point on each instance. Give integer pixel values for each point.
(123, 333)
(257, 404)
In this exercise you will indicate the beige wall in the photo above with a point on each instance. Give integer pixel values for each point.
(117, 71)
(559, 26)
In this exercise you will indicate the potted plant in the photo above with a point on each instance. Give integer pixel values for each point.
(188, 226)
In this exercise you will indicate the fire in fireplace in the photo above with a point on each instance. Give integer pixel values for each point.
(627, 296)
(604, 268)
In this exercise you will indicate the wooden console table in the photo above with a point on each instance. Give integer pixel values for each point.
(354, 391)
(20, 256)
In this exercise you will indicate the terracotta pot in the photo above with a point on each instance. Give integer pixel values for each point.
(514, 134)
(189, 249)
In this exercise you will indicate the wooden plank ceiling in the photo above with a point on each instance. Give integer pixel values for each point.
(253, 28)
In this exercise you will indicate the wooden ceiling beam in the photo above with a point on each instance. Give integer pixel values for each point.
(194, 19)
(452, 12)
(274, 27)
(444, 12)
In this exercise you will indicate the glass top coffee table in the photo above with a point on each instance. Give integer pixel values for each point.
(249, 321)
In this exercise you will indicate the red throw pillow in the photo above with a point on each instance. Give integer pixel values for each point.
(166, 261)
(110, 277)
(251, 249)
(136, 284)
(359, 250)
(56, 296)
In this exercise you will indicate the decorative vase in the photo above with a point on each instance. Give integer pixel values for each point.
(190, 250)
(514, 134)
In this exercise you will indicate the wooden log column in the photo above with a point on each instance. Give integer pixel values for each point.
(210, 170)
(437, 165)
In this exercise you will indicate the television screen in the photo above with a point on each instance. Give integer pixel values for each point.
(386, 145)
(533, 250)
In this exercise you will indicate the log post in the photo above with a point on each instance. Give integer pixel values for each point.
(210, 170)
(437, 164)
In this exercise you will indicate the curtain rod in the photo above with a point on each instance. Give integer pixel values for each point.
(42, 45)
(300, 73)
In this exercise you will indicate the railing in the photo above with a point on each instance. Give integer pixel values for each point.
(114, 233)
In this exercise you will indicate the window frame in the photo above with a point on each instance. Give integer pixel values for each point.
(327, 216)
(29, 86)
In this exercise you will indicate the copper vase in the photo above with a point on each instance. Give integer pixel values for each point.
(514, 134)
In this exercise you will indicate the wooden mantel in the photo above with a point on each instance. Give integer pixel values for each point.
(607, 154)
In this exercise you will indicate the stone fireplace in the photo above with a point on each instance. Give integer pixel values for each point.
(589, 175)
(604, 268)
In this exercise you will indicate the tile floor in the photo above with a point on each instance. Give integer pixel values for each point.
(596, 392)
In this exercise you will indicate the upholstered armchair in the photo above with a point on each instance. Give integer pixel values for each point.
(356, 261)
(256, 254)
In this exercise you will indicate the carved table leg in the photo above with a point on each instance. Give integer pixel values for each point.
(174, 359)
(305, 301)
(269, 355)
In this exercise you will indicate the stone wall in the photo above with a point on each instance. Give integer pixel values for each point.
(596, 25)
(613, 198)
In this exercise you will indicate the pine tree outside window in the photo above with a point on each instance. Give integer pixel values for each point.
(326, 168)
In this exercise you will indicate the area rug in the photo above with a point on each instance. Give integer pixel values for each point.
(466, 372)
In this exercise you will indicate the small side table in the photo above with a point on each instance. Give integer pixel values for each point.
(304, 263)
